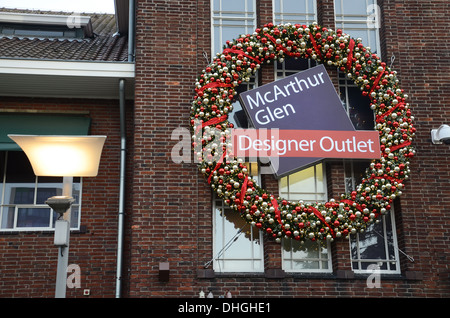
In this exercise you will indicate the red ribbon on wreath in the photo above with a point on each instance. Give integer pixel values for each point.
(219, 163)
(380, 117)
(274, 41)
(350, 54)
(277, 210)
(214, 84)
(243, 190)
(316, 48)
(214, 121)
(322, 219)
(243, 53)
(374, 86)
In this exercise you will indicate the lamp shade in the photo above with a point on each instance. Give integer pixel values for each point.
(62, 156)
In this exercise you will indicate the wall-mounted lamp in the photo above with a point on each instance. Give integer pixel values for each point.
(441, 135)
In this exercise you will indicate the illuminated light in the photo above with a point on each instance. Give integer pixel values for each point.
(62, 156)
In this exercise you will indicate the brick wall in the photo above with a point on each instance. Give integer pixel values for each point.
(170, 220)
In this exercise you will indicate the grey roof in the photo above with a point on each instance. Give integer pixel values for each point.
(103, 46)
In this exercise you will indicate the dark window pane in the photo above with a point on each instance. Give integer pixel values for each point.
(20, 179)
(33, 217)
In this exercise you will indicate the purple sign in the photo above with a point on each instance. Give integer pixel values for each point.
(304, 101)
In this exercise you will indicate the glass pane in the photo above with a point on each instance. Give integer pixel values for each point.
(8, 218)
(76, 190)
(234, 5)
(359, 110)
(354, 7)
(284, 185)
(302, 181)
(294, 6)
(33, 217)
(241, 248)
(20, 179)
(372, 245)
(216, 5)
(235, 251)
(19, 193)
(320, 182)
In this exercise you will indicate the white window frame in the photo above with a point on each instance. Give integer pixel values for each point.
(344, 84)
(318, 195)
(379, 263)
(350, 184)
(349, 22)
(222, 259)
(289, 257)
(308, 15)
(244, 19)
(4, 207)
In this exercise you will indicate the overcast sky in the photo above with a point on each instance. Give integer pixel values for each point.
(91, 6)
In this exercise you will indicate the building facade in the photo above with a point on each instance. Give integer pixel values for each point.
(149, 225)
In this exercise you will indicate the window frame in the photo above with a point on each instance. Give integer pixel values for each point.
(219, 260)
(340, 21)
(316, 194)
(350, 184)
(292, 258)
(219, 16)
(354, 239)
(4, 207)
(319, 260)
(280, 17)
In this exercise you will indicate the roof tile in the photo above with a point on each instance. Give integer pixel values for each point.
(104, 46)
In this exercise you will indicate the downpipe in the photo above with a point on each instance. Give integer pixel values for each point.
(121, 188)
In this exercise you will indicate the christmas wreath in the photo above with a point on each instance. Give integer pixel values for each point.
(228, 176)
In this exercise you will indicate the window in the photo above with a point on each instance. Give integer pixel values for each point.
(308, 185)
(237, 245)
(356, 105)
(44, 31)
(294, 11)
(305, 257)
(23, 196)
(359, 19)
(377, 245)
(231, 18)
